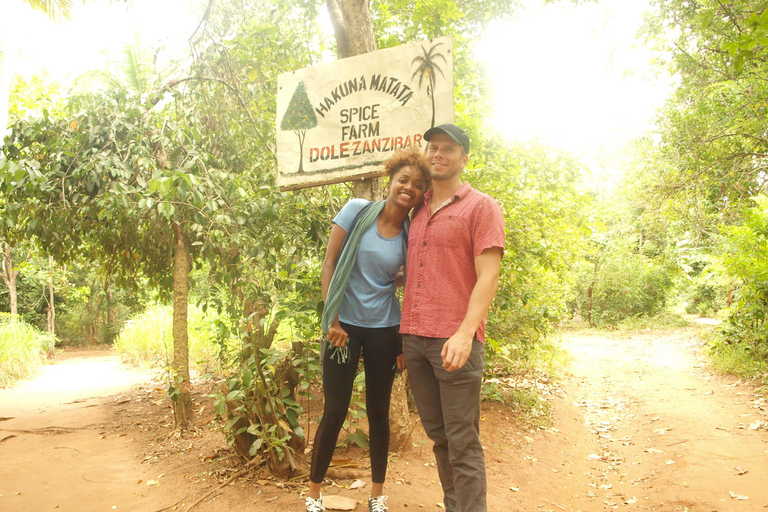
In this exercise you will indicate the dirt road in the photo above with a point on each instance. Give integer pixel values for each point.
(640, 424)
(647, 426)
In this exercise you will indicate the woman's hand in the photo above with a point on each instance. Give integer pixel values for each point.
(336, 335)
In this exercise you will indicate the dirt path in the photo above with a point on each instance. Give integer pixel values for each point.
(53, 445)
(647, 426)
(640, 424)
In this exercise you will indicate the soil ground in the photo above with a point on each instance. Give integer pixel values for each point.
(639, 423)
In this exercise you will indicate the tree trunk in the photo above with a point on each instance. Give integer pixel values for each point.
(51, 306)
(9, 277)
(352, 25)
(182, 400)
(91, 320)
(257, 338)
(591, 288)
(353, 28)
(109, 324)
(399, 416)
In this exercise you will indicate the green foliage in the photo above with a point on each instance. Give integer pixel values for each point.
(745, 332)
(258, 402)
(708, 161)
(30, 96)
(148, 339)
(22, 349)
(625, 285)
(356, 412)
(546, 221)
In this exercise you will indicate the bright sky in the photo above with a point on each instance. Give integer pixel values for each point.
(31, 42)
(569, 75)
(572, 76)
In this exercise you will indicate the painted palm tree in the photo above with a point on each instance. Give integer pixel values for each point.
(427, 68)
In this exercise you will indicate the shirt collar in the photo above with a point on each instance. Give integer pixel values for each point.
(464, 189)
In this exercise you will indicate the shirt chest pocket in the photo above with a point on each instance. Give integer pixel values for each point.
(452, 232)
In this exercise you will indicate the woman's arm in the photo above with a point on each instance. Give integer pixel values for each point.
(336, 334)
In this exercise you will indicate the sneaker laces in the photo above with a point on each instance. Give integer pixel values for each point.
(377, 504)
(314, 505)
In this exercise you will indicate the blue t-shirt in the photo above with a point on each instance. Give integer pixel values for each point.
(370, 300)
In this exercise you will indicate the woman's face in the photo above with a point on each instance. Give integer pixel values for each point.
(407, 187)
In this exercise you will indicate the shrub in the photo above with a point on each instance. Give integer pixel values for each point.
(22, 349)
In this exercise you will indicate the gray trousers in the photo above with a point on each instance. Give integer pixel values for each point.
(449, 408)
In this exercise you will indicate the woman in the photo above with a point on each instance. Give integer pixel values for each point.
(366, 249)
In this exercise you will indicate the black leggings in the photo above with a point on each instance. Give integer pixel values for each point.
(380, 347)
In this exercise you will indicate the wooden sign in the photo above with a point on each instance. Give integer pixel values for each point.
(340, 121)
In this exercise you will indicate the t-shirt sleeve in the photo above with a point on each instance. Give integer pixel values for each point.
(488, 226)
(347, 214)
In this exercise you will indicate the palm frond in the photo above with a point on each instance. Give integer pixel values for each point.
(56, 10)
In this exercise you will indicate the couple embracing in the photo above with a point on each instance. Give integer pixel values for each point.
(450, 253)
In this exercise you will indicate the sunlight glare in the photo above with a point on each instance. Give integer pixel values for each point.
(572, 76)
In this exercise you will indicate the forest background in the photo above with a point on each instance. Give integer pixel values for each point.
(138, 207)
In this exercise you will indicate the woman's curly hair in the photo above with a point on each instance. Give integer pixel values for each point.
(412, 156)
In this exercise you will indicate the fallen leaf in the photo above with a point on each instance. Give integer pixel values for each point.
(357, 484)
(630, 501)
(513, 488)
(273, 498)
(441, 505)
(738, 496)
(670, 461)
(741, 471)
(153, 482)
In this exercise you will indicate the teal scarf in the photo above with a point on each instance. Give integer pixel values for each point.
(338, 285)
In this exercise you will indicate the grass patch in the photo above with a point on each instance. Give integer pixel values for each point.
(521, 378)
(147, 339)
(664, 320)
(738, 359)
(22, 349)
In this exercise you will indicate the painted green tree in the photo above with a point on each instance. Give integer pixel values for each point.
(427, 68)
(299, 117)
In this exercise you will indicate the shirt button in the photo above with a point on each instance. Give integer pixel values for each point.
(414, 305)
(418, 285)
(421, 264)
(429, 223)
(450, 216)
(425, 243)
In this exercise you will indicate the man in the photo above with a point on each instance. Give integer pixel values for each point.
(455, 244)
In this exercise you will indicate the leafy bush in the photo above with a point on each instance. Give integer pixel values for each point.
(625, 285)
(22, 349)
(258, 402)
(744, 335)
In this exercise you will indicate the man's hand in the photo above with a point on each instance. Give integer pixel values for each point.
(336, 335)
(401, 362)
(456, 351)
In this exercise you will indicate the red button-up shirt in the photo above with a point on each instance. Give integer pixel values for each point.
(441, 261)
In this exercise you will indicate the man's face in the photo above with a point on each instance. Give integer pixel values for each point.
(445, 156)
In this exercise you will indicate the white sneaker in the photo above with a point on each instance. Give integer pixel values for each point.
(377, 504)
(315, 505)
